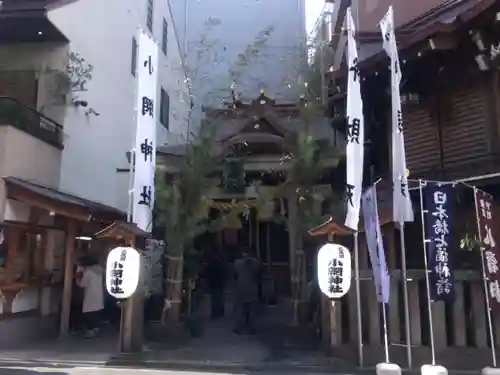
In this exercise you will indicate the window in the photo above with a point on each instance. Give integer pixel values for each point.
(164, 108)
(164, 37)
(133, 59)
(149, 19)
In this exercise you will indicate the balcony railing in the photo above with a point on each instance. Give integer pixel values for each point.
(14, 113)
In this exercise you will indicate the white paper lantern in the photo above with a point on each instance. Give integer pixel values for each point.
(334, 270)
(123, 269)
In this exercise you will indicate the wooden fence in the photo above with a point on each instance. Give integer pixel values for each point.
(461, 334)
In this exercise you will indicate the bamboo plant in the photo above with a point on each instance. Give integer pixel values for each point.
(181, 203)
(305, 170)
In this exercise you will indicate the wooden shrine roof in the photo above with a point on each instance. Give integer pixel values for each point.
(415, 22)
(335, 224)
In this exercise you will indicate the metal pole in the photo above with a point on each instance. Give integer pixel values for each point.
(386, 339)
(427, 282)
(358, 299)
(131, 186)
(404, 275)
(485, 285)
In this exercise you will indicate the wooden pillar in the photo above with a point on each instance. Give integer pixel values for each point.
(131, 326)
(9, 294)
(479, 315)
(292, 249)
(389, 234)
(12, 250)
(47, 266)
(333, 315)
(69, 263)
(459, 322)
(415, 319)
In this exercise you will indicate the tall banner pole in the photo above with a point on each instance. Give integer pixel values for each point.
(376, 251)
(358, 300)
(404, 275)
(421, 185)
(131, 185)
(355, 157)
(485, 277)
(402, 205)
(355, 130)
(386, 338)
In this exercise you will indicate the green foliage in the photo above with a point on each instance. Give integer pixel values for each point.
(234, 176)
(468, 239)
(306, 168)
(181, 201)
(79, 72)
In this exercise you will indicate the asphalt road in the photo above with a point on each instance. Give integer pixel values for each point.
(15, 370)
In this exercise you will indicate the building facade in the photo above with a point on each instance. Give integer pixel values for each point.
(255, 44)
(100, 122)
(67, 98)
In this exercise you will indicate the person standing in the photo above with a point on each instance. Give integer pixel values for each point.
(92, 283)
(247, 271)
(216, 282)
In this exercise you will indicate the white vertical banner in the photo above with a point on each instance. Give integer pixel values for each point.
(145, 139)
(402, 207)
(355, 130)
(375, 244)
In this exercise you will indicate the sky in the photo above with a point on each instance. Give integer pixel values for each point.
(313, 10)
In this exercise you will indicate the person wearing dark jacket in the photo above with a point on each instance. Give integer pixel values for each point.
(247, 273)
(216, 273)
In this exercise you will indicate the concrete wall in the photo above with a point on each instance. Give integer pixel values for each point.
(172, 76)
(26, 157)
(101, 32)
(47, 61)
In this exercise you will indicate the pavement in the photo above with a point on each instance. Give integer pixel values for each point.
(18, 370)
(276, 348)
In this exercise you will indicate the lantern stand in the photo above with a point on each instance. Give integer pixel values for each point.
(332, 228)
(132, 310)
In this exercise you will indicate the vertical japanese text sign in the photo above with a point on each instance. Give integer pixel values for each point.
(484, 204)
(122, 272)
(355, 130)
(402, 206)
(145, 140)
(438, 201)
(375, 244)
(334, 270)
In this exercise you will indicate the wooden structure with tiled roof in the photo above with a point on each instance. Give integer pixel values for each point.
(31, 243)
(449, 54)
(257, 135)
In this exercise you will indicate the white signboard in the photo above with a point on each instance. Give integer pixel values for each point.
(355, 130)
(402, 206)
(145, 139)
(334, 270)
(122, 272)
